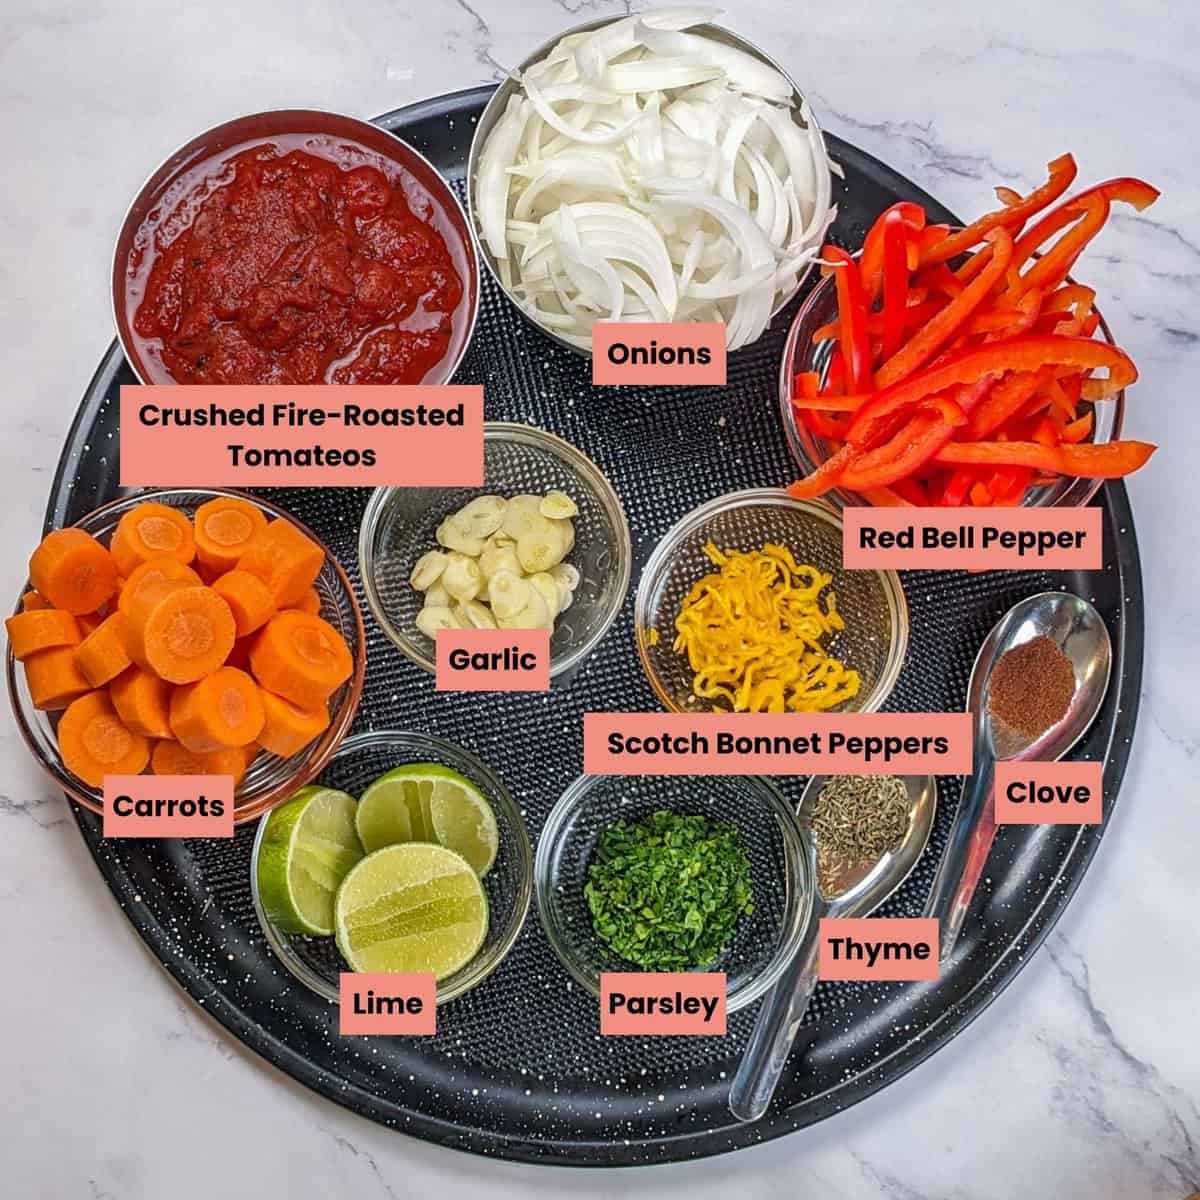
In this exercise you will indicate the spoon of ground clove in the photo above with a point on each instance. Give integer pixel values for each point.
(867, 834)
(1038, 682)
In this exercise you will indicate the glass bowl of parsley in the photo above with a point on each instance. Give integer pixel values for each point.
(675, 873)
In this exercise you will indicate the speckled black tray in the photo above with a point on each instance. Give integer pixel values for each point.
(518, 1068)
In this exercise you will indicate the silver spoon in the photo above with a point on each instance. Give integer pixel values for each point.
(1078, 630)
(859, 891)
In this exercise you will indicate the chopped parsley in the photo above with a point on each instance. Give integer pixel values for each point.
(666, 893)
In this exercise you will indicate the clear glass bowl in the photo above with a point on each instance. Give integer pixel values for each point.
(873, 643)
(801, 353)
(780, 866)
(400, 523)
(270, 779)
(360, 760)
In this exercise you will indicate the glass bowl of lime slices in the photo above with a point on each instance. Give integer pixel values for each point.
(406, 854)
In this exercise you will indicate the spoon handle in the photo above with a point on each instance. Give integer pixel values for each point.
(775, 1030)
(967, 850)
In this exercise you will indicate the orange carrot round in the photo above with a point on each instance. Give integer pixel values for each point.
(54, 679)
(41, 629)
(285, 560)
(310, 602)
(94, 742)
(219, 712)
(141, 700)
(188, 634)
(152, 530)
(170, 758)
(151, 581)
(301, 658)
(102, 655)
(224, 528)
(249, 599)
(73, 571)
(33, 600)
(288, 729)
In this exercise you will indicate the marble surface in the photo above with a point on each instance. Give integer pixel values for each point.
(1083, 1079)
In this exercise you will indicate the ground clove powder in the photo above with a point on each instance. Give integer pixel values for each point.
(1031, 687)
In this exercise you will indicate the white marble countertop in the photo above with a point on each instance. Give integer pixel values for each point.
(1083, 1079)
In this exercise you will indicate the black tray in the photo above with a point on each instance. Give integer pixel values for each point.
(518, 1069)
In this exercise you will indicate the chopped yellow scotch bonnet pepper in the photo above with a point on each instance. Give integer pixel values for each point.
(752, 632)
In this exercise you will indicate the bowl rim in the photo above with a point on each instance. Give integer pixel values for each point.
(502, 431)
(330, 740)
(1078, 492)
(497, 795)
(667, 545)
(168, 168)
(508, 85)
(800, 897)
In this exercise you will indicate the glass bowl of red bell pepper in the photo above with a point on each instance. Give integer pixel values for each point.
(963, 366)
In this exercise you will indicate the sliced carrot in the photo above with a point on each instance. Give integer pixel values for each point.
(54, 679)
(249, 599)
(224, 528)
(42, 629)
(33, 600)
(88, 623)
(149, 531)
(310, 602)
(221, 711)
(301, 658)
(288, 729)
(94, 741)
(151, 581)
(170, 758)
(285, 560)
(73, 571)
(102, 655)
(188, 634)
(239, 656)
(141, 700)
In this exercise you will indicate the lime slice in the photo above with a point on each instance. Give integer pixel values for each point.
(411, 907)
(308, 847)
(426, 802)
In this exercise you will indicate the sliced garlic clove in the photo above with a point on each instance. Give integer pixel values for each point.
(438, 597)
(540, 551)
(495, 559)
(473, 615)
(427, 570)
(522, 516)
(508, 594)
(558, 506)
(543, 583)
(533, 615)
(566, 599)
(454, 536)
(566, 576)
(482, 516)
(462, 577)
(434, 617)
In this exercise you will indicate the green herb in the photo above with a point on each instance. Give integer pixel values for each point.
(666, 893)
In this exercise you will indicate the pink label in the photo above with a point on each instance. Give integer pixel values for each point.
(776, 743)
(164, 806)
(878, 948)
(658, 353)
(493, 660)
(656, 1003)
(982, 539)
(302, 436)
(388, 1003)
(1049, 793)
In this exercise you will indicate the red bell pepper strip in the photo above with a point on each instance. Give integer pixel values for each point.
(824, 477)
(1007, 195)
(1013, 216)
(1127, 190)
(981, 494)
(1077, 430)
(911, 491)
(1008, 485)
(956, 489)
(886, 498)
(1110, 460)
(895, 280)
(1053, 267)
(1026, 353)
(938, 331)
(912, 216)
(941, 280)
(852, 312)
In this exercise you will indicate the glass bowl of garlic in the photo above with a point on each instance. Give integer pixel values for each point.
(542, 544)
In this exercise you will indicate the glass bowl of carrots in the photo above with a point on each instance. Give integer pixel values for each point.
(963, 366)
(186, 631)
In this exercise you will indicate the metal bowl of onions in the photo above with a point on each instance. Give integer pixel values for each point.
(649, 168)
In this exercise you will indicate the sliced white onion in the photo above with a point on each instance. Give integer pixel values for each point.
(653, 174)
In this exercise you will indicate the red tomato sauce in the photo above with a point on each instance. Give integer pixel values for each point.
(278, 264)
